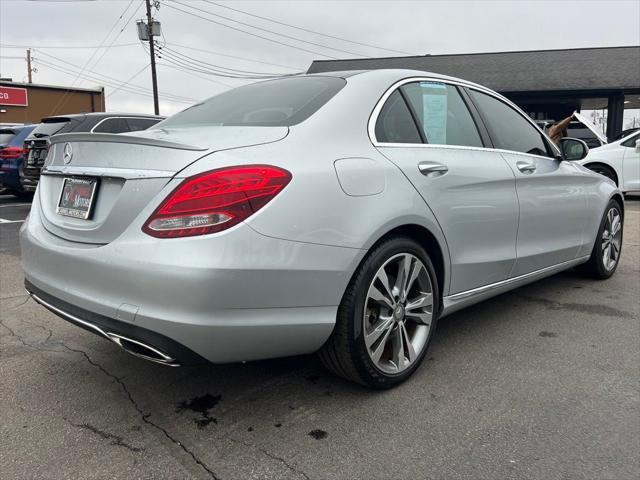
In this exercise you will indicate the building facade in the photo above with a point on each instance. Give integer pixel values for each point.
(30, 102)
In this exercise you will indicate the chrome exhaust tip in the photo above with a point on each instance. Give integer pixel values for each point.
(129, 345)
(142, 350)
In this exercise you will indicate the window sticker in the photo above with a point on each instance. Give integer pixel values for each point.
(434, 104)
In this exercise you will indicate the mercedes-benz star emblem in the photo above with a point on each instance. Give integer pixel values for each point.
(67, 153)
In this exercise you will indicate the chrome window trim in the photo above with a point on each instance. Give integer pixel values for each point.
(458, 147)
(121, 117)
(373, 118)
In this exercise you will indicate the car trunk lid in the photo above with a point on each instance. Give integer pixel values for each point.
(130, 171)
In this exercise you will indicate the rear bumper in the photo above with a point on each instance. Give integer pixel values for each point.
(226, 297)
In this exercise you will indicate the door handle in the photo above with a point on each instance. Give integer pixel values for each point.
(432, 169)
(526, 167)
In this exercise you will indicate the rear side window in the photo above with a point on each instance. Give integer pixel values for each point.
(395, 123)
(6, 136)
(136, 124)
(508, 128)
(111, 125)
(442, 114)
(278, 103)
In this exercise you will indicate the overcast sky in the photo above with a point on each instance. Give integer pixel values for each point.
(415, 27)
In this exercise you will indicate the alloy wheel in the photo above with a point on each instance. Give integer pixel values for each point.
(611, 239)
(398, 313)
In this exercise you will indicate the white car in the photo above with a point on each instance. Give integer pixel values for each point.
(619, 160)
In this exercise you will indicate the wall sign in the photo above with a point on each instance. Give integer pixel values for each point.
(15, 97)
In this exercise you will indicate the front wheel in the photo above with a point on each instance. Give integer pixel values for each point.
(387, 316)
(607, 249)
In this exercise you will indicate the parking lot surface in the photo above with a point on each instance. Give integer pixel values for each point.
(539, 383)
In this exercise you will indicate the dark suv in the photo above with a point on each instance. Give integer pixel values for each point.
(37, 143)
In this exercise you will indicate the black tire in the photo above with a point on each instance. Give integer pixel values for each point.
(604, 170)
(345, 353)
(595, 267)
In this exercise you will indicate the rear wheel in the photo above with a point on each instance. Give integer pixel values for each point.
(387, 316)
(607, 249)
(604, 170)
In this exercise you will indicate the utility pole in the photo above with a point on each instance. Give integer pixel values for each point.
(29, 65)
(154, 78)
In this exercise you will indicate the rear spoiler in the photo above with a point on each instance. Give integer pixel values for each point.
(118, 138)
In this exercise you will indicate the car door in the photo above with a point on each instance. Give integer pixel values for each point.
(551, 195)
(427, 130)
(631, 164)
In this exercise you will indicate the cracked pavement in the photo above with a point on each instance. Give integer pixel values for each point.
(539, 383)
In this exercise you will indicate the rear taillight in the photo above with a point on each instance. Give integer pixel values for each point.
(11, 152)
(216, 200)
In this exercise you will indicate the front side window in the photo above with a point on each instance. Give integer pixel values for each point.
(395, 123)
(442, 114)
(508, 128)
(276, 103)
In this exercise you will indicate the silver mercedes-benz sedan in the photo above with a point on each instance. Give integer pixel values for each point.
(342, 213)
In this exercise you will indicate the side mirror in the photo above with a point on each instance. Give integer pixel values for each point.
(638, 145)
(573, 149)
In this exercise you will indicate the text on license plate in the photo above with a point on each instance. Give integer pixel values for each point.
(77, 197)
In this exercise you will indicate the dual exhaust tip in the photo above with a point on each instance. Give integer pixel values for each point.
(129, 345)
(142, 350)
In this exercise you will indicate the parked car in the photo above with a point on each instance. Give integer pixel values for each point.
(342, 213)
(580, 128)
(37, 144)
(619, 161)
(627, 132)
(12, 155)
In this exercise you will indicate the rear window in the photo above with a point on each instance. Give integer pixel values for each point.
(278, 103)
(136, 124)
(48, 129)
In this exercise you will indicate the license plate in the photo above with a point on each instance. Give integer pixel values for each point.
(77, 197)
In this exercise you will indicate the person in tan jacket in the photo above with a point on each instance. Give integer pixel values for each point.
(559, 129)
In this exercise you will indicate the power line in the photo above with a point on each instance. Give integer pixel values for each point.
(104, 52)
(63, 99)
(108, 78)
(271, 31)
(231, 70)
(129, 80)
(212, 52)
(188, 72)
(210, 69)
(306, 29)
(63, 47)
(85, 76)
(248, 33)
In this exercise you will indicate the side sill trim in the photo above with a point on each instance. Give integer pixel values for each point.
(460, 300)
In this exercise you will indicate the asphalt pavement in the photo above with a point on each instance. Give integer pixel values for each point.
(539, 383)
